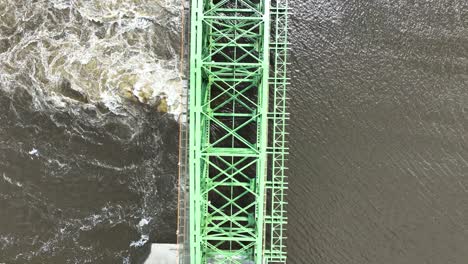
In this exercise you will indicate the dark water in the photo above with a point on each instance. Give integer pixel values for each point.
(87, 163)
(379, 132)
(379, 154)
(82, 197)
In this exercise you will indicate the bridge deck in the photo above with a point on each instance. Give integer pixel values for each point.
(236, 142)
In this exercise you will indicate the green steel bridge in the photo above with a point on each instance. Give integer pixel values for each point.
(232, 205)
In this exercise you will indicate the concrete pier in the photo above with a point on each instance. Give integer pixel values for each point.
(162, 254)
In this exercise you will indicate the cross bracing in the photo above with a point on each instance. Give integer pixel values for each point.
(237, 119)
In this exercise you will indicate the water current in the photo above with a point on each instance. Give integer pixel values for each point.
(379, 132)
(379, 119)
(88, 138)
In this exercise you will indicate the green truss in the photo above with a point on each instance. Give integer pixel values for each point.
(236, 142)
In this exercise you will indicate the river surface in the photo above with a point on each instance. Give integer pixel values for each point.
(88, 135)
(378, 133)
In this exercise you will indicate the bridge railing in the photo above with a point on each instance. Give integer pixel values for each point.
(183, 243)
(275, 221)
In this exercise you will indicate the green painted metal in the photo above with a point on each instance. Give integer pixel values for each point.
(237, 122)
(276, 180)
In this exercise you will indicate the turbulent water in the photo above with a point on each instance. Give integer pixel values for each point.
(379, 159)
(89, 97)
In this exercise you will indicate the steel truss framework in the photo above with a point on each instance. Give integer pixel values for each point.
(237, 119)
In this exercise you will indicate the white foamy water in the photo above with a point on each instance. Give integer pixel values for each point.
(34, 152)
(142, 241)
(144, 222)
(10, 181)
(86, 161)
(92, 50)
